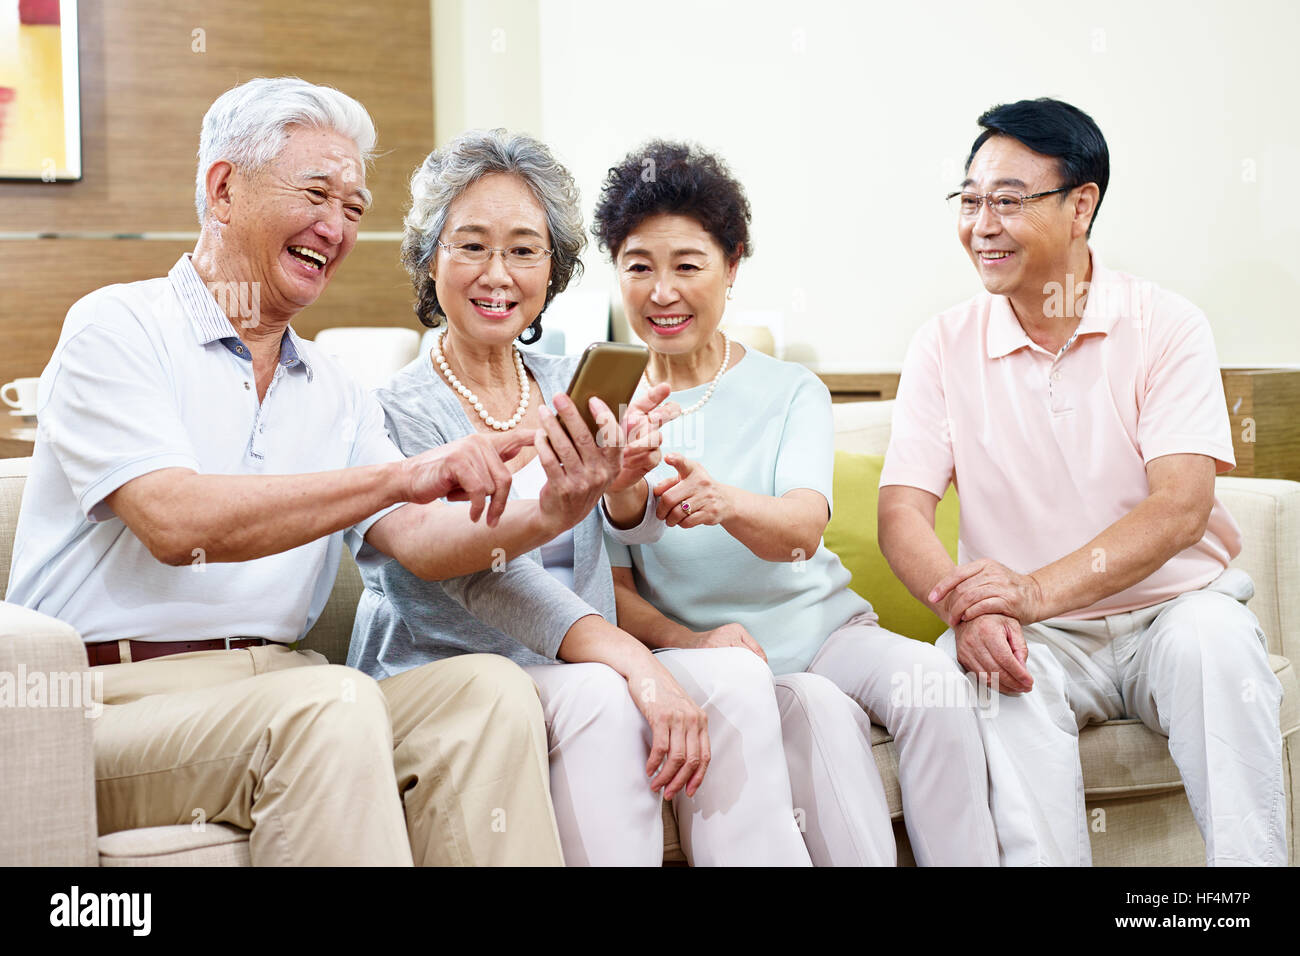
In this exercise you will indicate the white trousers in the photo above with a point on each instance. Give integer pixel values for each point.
(607, 814)
(864, 673)
(1194, 669)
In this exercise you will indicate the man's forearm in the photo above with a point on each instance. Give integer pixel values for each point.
(914, 552)
(1128, 551)
(227, 518)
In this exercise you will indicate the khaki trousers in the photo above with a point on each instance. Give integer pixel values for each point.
(321, 763)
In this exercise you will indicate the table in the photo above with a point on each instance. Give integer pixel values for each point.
(860, 386)
(17, 435)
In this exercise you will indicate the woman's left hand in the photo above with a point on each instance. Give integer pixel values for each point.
(640, 434)
(730, 635)
(692, 497)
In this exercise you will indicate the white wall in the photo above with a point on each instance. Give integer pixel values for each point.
(848, 122)
(486, 66)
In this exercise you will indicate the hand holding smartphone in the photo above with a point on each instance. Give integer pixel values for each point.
(609, 371)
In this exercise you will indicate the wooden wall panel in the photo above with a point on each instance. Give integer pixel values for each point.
(1263, 404)
(42, 278)
(370, 288)
(144, 92)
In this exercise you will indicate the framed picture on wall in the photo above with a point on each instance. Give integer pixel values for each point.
(40, 101)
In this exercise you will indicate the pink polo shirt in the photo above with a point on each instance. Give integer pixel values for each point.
(1046, 451)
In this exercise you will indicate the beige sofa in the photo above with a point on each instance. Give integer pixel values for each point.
(46, 785)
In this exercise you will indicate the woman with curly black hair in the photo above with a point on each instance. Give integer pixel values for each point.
(745, 490)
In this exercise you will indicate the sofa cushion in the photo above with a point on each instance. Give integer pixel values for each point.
(213, 844)
(332, 632)
(862, 427)
(852, 535)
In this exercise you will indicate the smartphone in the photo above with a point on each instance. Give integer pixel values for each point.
(609, 371)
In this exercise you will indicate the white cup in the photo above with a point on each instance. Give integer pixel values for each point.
(24, 392)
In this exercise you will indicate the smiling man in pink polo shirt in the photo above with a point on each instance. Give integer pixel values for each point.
(1079, 413)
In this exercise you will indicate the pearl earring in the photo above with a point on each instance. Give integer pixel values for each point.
(728, 293)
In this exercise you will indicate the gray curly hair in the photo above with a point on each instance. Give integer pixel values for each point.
(448, 172)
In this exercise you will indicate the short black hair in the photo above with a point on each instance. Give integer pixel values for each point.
(1055, 129)
(676, 179)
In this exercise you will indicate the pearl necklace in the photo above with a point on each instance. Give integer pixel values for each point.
(726, 360)
(524, 391)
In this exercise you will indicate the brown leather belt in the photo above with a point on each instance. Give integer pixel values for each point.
(109, 652)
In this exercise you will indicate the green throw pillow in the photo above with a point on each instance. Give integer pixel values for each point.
(852, 535)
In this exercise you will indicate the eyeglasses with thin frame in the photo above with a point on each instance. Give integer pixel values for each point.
(1004, 202)
(519, 256)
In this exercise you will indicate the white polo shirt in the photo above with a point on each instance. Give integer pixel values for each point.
(152, 375)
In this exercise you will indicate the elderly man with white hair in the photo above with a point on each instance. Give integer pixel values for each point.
(197, 472)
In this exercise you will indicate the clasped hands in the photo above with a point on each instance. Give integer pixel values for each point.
(986, 604)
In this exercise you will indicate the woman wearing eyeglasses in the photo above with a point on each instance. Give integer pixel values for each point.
(745, 490)
(493, 234)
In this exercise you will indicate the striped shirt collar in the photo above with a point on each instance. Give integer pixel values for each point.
(210, 323)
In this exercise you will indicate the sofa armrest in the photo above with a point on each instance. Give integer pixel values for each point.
(1268, 510)
(47, 760)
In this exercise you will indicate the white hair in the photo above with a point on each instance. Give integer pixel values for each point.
(248, 125)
